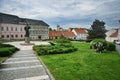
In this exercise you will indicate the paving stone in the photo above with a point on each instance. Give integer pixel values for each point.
(24, 65)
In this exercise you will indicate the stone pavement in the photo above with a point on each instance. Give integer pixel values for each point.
(24, 65)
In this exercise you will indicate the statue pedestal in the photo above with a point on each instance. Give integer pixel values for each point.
(27, 41)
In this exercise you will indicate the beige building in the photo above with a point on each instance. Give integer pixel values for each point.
(12, 27)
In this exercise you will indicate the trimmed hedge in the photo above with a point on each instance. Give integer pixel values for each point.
(62, 40)
(4, 52)
(7, 50)
(56, 49)
(5, 45)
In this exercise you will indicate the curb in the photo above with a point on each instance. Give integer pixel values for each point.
(46, 69)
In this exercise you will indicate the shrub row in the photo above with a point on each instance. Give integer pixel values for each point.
(62, 40)
(56, 49)
(100, 45)
(7, 51)
(5, 45)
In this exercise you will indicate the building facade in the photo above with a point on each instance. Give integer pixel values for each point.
(12, 27)
(80, 33)
(113, 35)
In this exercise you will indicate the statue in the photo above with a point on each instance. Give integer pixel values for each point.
(27, 33)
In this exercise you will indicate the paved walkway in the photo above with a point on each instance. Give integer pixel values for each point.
(24, 65)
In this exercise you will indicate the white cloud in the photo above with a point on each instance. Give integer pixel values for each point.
(61, 9)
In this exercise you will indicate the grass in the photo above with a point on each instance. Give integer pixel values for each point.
(2, 59)
(84, 64)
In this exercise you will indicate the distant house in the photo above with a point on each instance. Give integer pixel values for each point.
(80, 33)
(59, 34)
(113, 35)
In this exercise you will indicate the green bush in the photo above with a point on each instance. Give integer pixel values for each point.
(7, 51)
(99, 45)
(5, 45)
(88, 40)
(62, 40)
(111, 46)
(56, 49)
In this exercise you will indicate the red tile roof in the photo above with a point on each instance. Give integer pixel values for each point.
(115, 34)
(80, 30)
(68, 34)
(61, 33)
(54, 33)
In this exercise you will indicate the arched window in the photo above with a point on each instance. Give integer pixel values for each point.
(21, 35)
(2, 36)
(16, 35)
(7, 36)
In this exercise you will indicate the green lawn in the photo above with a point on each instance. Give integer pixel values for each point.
(2, 59)
(84, 64)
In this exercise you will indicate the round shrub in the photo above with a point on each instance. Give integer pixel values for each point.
(98, 45)
(111, 46)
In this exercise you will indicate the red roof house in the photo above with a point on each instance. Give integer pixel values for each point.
(58, 34)
(81, 33)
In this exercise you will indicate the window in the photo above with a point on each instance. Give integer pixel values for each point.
(7, 28)
(11, 28)
(7, 36)
(15, 29)
(16, 36)
(2, 29)
(20, 29)
(21, 35)
(2, 36)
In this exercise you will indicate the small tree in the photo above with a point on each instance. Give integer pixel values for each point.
(97, 30)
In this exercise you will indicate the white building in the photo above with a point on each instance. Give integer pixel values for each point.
(81, 33)
(113, 35)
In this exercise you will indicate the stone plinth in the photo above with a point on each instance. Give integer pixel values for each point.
(27, 41)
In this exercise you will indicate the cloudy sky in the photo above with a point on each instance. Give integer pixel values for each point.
(66, 13)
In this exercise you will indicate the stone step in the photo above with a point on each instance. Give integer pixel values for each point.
(21, 58)
(27, 61)
(19, 68)
(16, 60)
(21, 73)
(43, 77)
(2, 66)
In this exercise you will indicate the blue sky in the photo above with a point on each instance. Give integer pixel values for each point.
(66, 13)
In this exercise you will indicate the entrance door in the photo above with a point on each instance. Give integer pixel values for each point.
(39, 37)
